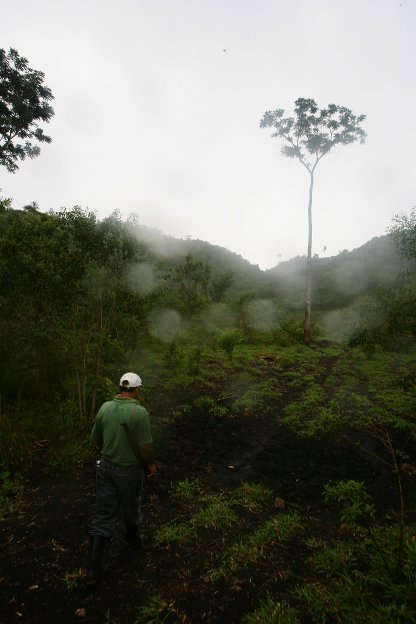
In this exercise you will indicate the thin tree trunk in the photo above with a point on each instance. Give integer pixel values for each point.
(400, 547)
(308, 293)
(104, 323)
(80, 346)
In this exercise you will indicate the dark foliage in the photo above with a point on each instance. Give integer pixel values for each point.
(24, 104)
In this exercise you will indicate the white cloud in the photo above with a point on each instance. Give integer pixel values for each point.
(158, 105)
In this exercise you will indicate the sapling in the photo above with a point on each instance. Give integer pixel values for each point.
(356, 509)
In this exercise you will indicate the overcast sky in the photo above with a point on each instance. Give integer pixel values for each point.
(157, 109)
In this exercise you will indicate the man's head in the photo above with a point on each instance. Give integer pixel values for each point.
(130, 384)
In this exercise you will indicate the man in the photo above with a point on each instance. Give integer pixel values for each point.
(122, 429)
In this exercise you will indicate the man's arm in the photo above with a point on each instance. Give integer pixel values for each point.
(146, 452)
(96, 436)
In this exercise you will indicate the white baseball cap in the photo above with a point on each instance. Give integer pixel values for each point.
(131, 380)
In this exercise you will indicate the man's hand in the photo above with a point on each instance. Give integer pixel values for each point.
(151, 471)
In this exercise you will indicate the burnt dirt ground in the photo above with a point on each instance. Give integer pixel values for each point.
(44, 545)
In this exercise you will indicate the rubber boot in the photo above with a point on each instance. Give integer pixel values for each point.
(134, 538)
(95, 569)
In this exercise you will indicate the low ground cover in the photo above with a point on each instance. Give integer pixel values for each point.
(239, 527)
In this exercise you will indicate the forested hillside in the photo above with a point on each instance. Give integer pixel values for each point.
(82, 299)
(339, 280)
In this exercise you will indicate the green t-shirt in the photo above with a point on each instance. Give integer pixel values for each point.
(108, 431)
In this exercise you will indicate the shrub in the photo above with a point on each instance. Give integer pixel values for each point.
(228, 340)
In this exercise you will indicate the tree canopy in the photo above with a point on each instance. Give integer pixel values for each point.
(312, 133)
(24, 104)
(403, 231)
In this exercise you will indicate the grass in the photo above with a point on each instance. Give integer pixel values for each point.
(352, 586)
(160, 611)
(174, 533)
(252, 496)
(271, 611)
(10, 488)
(358, 392)
(250, 550)
(186, 489)
(360, 578)
(217, 513)
(71, 580)
(312, 414)
(260, 397)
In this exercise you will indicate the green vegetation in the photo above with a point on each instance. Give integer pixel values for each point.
(10, 488)
(159, 611)
(374, 397)
(259, 398)
(251, 550)
(353, 582)
(228, 339)
(252, 496)
(216, 514)
(84, 300)
(186, 489)
(71, 579)
(272, 612)
(174, 533)
(354, 499)
(24, 104)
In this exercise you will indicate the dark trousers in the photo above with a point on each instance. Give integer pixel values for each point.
(116, 487)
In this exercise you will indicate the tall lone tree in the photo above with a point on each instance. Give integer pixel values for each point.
(24, 103)
(308, 136)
